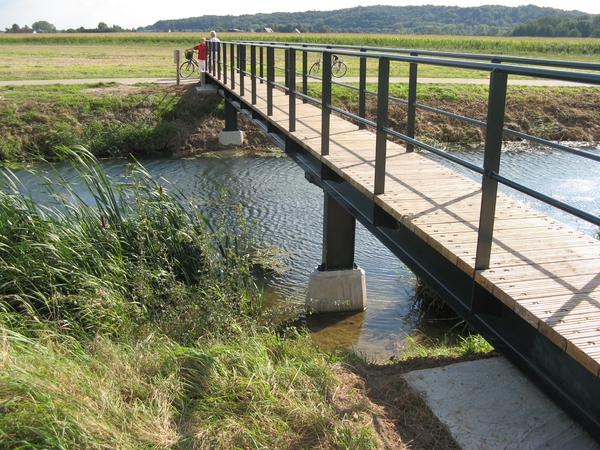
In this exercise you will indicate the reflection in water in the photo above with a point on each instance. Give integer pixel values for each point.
(336, 329)
(288, 213)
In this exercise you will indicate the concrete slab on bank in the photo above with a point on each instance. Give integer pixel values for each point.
(489, 404)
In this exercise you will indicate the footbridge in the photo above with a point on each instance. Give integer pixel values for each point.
(528, 283)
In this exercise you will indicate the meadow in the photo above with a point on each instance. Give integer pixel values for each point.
(133, 55)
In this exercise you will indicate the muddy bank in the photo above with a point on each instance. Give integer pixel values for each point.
(555, 114)
(116, 120)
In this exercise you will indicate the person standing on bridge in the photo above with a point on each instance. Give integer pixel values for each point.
(213, 36)
(214, 47)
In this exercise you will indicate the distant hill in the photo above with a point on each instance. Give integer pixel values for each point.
(429, 19)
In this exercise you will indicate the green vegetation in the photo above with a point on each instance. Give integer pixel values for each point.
(150, 55)
(132, 321)
(488, 20)
(43, 26)
(560, 26)
(135, 321)
(150, 120)
(140, 250)
(137, 46)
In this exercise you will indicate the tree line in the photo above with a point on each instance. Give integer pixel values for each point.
(561, 26)
(43, 26)
(490, 20)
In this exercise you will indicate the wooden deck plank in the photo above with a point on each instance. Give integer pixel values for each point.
(547, 272)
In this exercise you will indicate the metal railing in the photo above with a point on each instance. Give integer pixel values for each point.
(285, 64)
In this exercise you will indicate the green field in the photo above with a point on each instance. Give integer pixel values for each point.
(133, 55)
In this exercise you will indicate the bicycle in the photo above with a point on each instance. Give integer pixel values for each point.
(189, 66)
(338, 67)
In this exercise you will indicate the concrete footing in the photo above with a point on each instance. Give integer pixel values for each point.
(205, 88)
(337, 291)
(235, 138)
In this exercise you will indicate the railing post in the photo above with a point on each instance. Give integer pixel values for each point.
(177, 60)
(253, 72)
(292, 89)
(362, 89)
(383, 91)
(270, 79)
(326, 103)
(286, 68)
(262, 64)
(412, 102)
(218, 64)
(214, 58)
(242, 66)
(224, 50)
(491, 165)
(232, 64)
(304, 74)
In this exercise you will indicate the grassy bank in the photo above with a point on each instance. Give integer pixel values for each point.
(116, 120)
(132, 322)
(103, 118)
(135, 324)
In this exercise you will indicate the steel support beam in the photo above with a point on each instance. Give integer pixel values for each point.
(230, 117)
(339, 231)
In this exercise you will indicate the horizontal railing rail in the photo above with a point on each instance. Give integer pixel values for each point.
(580, 65)
(286, 63)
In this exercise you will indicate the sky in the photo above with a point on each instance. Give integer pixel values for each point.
(65, 14)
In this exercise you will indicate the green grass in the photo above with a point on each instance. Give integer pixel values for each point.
(252, 390)
(522, 46)
(134, 323)
(38, 118)
(133, 55)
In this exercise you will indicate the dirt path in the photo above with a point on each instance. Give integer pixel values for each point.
(183, 81)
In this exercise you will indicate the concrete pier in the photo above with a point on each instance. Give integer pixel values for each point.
(337, 291)
(234, 138)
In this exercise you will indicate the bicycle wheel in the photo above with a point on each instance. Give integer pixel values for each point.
(314, 70)
(338, 69)
(186, 69)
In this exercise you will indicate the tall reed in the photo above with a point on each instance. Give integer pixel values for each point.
(119, 250)
(129, 320)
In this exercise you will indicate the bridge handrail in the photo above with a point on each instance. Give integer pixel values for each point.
(514, 70)
(582, 65)
(496, 67)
